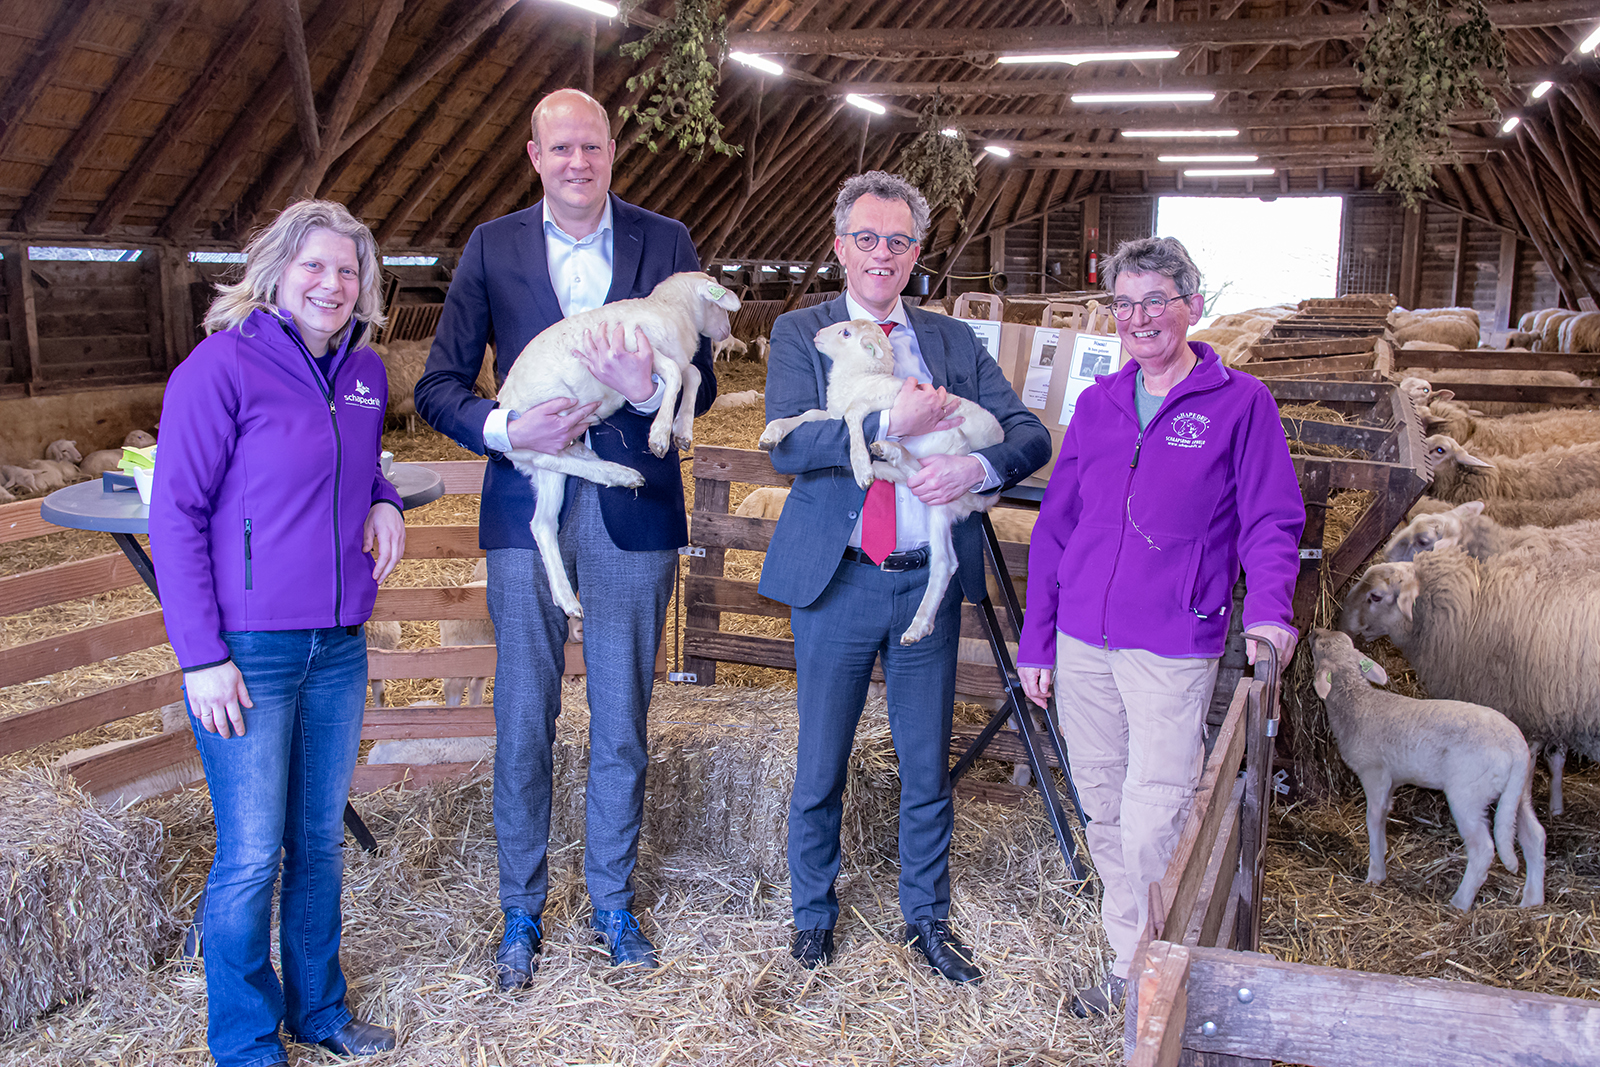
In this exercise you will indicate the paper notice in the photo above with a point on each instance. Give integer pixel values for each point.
(1041, 365)
(1092, 354)
(988, 336)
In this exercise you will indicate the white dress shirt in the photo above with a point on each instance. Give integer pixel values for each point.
(910, 514)
(580, 273)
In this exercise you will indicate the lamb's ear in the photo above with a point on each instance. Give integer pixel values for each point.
(1471, 507)
(1373, 671)
(1323, 683)
(721, 296)
(1443, 394)
(1407, 594)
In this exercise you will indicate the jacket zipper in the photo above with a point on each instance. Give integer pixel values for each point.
(338, 464)
(1127, 495)
(248, 583)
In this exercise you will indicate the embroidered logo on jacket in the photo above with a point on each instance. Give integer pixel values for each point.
(362, 396)
(1188, 430)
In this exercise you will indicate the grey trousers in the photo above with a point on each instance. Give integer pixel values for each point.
(625, 597)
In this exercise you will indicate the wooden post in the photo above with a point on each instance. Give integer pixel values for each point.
(24, 315)
(1044, 242)
(1505, 281)
(1411, 257)
(588, 56)
(1459, 275)
(177, 311)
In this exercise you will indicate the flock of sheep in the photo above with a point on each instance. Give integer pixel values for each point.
(63, 464)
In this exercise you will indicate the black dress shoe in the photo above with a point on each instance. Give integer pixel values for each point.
(517, 957)
(943, 950)
(357, 1038)
(812, 948)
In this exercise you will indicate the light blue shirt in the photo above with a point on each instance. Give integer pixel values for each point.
(910, 516)
(580, 273)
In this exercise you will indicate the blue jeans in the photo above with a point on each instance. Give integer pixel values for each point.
(279, 794)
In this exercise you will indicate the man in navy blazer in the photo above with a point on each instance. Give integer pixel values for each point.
(576, 249)
(851, 597)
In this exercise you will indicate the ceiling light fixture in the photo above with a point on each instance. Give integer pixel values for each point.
(1230, 172)
(1236, 157)
(1180, 135)
(866, 105)
(1510, 124)
(1074, 58)
(1540, 89)
(996, 150)
(1144, 98)
(1590, 41)
(761, 63)
(596, 7)
(951, 131)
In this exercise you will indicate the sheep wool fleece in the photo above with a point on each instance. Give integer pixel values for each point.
(265, 475)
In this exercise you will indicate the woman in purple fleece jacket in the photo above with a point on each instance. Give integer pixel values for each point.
(272, 524)
(1174, 472)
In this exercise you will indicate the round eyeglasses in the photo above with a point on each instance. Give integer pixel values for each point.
(1154, 306)
(866, 240)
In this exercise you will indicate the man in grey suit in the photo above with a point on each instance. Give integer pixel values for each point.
(852, 565)
(578, 248)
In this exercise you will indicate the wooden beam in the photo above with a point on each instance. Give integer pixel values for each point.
(195, 102)
(302, 92)
(969, 228)
(1554, 223)
(158, 35)
(41, 66)
(351, 86)
(24, 663)
(22, 310)
(44, 725)
(964, 40)
(1458, 272)
(1516, 195)
(1162, 995)
(1411, 257)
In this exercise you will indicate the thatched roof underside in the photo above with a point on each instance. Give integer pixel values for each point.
(189, 122)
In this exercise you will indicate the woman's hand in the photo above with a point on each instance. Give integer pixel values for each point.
(1282, 640)
(216, 696)
(1037, 683)
(615, 365)
(383, 537)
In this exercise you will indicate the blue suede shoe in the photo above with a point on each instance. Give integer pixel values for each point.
(518, 955)
(624, 940)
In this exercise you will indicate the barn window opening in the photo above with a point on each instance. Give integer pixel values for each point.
(1254, 253)
(410, 261)
(216, 257)
(100, 255)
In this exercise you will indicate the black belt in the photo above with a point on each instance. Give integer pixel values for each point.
(908, 560)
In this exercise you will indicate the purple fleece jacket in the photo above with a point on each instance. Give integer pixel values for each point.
(1141, 533)
(264, 478)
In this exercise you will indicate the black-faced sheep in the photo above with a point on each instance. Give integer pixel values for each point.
(1467, 528)
(1511, 435)
(1459, 476)
(1510, 634)
(1472, 752)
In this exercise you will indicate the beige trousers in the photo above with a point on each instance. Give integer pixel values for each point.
(1134, 723)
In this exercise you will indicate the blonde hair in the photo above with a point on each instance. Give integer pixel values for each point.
(272, 249)
(570, 98)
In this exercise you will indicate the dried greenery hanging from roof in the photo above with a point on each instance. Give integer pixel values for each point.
(939, 165)
(1419, 65)
(682, 86)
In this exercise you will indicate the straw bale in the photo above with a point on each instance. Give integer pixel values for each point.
(81, 907)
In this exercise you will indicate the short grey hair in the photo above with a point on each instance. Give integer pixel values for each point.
(1153, 255)
(272, 249)
(884, 186)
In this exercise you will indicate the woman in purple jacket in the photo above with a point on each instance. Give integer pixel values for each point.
(272, 524)
(1174, 472)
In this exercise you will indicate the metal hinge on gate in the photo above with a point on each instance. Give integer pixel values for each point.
(1305, 553)
(692, 550)
(1272, 727)
(683, 676)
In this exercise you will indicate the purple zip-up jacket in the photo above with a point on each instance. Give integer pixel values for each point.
(264, 478)
(1141, 534)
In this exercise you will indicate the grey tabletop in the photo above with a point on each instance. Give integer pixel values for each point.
(91, 506)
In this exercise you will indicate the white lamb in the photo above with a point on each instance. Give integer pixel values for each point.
(467, 632)
(386, 636)
(1510, 435)
(763, 347)
(728, 348)
(1471, 752)
(763, 503)
(1512, 633)
(63, 450)
(862, 381)
(109, 459)
(1459, 476)
(680, 310)
(732, 401)
(24, 479)
(1579, 507)
(1466, 527)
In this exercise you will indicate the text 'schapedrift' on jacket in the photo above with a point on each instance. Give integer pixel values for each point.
(264, 478)
(1141, 534)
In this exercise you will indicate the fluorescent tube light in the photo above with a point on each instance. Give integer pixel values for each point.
(1144, 98)
(1180, 135)
(761, 63)
(1511, 123)
(1540, 89)
(866, 105)
(951, 131)
(996, 150)
(595, 7)
(1226, 158)
(1230, 172)
(1074, 58)
(1590, 41)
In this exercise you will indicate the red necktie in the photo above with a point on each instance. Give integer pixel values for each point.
(877, 514)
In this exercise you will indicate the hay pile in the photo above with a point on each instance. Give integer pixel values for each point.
(420, 917)
(80, 908)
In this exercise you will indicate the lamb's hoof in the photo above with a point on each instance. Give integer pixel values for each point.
(915, 634)
(1532, 900)
(634, 482)
(574, 612)
(684, 443)
(769, 441)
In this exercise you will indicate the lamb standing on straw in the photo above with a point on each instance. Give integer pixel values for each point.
(671, 320)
